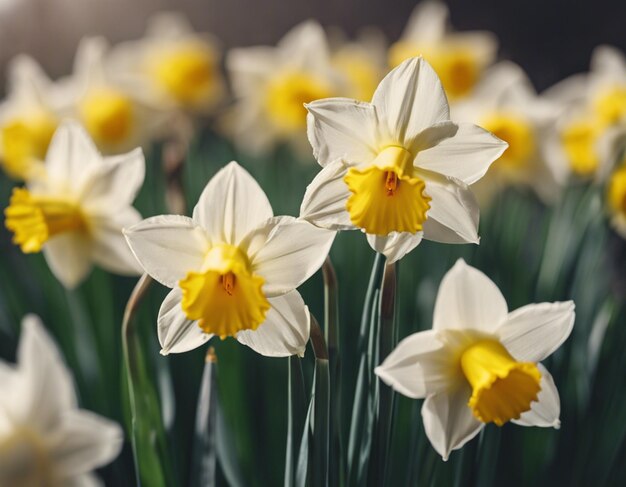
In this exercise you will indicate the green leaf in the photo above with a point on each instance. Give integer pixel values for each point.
(296, 419)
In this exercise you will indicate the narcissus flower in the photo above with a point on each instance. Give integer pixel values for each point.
(174, 67)
(480, 363)
(459, 58)
(397, 168)
(76, 213)
(45, 440)
(506, 104)
(271, 85)
(233, 268)
(28, 118)
(588, 138)
(114, 112)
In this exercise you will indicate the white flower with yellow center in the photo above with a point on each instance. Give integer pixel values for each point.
(175, 67)
(45, 440)
(113, 112)
(480, 363)
(587, 138)
(506, 104)
(28, 118)
(397, 168)
(271, 85)
(459, 58)
(233, 267)
(76, 213)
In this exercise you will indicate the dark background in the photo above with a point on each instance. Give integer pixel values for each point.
(550, 39)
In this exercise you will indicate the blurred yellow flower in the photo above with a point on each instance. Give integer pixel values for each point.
(28, 119)
(616, 196)
(76, 213)
(458, 58)
(271, 85)
(175, 67)
(480, 363)
(233, 268)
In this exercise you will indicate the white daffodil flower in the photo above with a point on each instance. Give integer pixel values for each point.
(505, 103)
(76, 213)
(233, 268)
(480, 363)
(173, 66)
(45, 440)
(113, 112)
(271, 84)
(28, 118)
(397, 167)
(588, 137)
(459, 58)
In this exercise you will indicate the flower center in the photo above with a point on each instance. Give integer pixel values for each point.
(187, 73)
(515, 130)
(457, 66)
(108, 116)
(25, 462)
(387, 196)
(24, 141)
(579, 143)
(617, 191)
(611, 104)
(225, 297)
(34, 219)
(502, 389)
(286, 95)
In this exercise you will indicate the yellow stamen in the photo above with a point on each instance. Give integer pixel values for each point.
(519, 134)
(25, 461)
(387, 196)
(456, 65)
(108, 116)
(24, 142)
(502, 389)
(286, 95)
(36, 218)
(225, 297)
(617, 191)
(611, 105)
(579, 143)
(188, 73)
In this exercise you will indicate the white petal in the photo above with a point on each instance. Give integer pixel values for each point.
(465, 156)
(427, 22)
(395, 245)
(86, 441)
(85, 480)
(231, 205)
(609, 61)
(324, 202)
(454, 212)
(545, 412)
(342, 128)
(47, 388)
(467, 298)
(168, 246)
(110, 249)
(535, 331)
(304, 47)
(285, 330)
(293, 252)
(448, 421)
(419, 366)
(71, 153)
(69, 257)
(114, 183)
(410, 99)
(176, 332)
